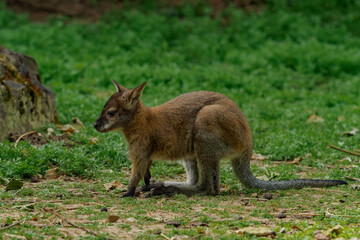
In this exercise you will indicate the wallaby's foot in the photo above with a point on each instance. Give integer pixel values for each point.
(128, 195)
(149, 187)
(162, 190)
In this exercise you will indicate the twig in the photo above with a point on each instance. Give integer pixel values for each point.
(354, 179)
(196, 237)
(25, 134)
(343, 150)
(10, 226)
(356, 150)
(164, 236)
(70, 223)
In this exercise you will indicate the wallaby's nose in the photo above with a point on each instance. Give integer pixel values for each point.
(96, 125)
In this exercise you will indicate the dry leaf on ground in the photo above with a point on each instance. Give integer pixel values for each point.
(259, 157)
(113, 185)
(297, 160)
(313, 118)
(319, 235)
(94, 140)
(53, 173)
(335, 230)
(112, 218)
(77, 121)
(351, 133)
(69, 128)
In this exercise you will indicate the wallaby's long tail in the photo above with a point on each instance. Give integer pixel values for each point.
(243, 173)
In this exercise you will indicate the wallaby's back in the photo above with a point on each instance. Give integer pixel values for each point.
(183, 117)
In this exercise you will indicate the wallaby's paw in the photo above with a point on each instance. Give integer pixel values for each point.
(127, 195)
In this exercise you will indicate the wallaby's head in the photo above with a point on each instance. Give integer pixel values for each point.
(120, 109)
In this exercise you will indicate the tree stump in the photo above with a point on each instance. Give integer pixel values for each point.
(25, 103)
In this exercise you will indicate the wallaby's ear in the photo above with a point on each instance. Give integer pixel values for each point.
(119, 88)
(134, 95)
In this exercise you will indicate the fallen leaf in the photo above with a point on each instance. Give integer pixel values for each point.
(313, 118)
(94, 140)
(351, 133)
(52, 173)
(345, 159)
(334, 231)
(355, 187)
(296, 228)
(297, 160)
(112, 218)
(259, 157)
(77, 121)
(113, 185)
(257, 231)
(254, 195)
(201, 224)
(14, 184)
(69, 128)
(319, 235)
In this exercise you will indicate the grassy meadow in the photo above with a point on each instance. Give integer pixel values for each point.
(293, 69)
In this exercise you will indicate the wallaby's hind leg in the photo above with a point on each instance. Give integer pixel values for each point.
(207, 183)
(192, 174)
(207, 160)
(192, 177)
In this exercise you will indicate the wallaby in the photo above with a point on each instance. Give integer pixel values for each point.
(198, 127)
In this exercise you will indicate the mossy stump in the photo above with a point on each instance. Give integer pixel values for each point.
(25, 104)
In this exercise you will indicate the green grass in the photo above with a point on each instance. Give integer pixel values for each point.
(280, 65)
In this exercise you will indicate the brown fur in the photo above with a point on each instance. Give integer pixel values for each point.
(199, 127)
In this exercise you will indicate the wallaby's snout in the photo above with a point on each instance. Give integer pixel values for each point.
(96, 125)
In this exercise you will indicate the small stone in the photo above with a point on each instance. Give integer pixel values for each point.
(173, 223)
(268, 196)
(59, 195)
(34, 179)
(282, 215)
(157, 232)
(239, 218)
(103, 209)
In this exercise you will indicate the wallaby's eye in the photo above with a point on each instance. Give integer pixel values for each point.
(111, 113)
